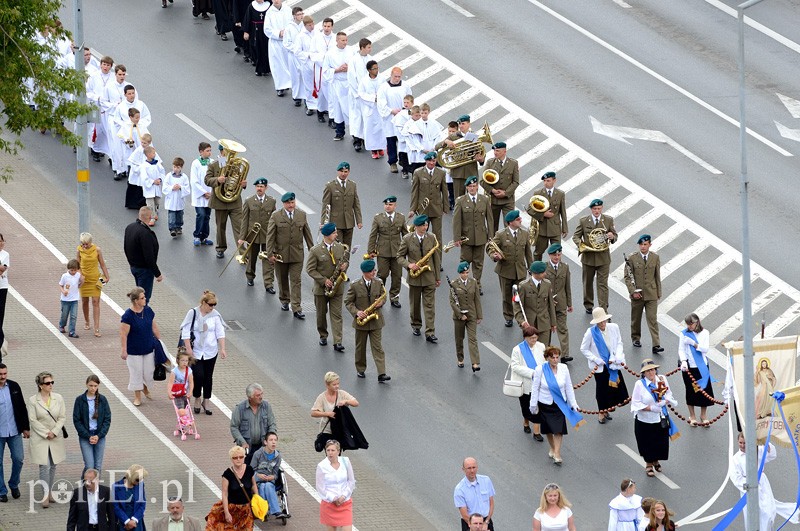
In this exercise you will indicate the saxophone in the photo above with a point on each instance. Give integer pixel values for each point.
(423, 262)
(338, 275)
(372, 309)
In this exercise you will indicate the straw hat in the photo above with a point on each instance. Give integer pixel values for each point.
(599, 315)
(648, 364)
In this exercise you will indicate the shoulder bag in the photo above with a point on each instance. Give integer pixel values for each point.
(258, 505)
(179, 389)
(510, 387)
(191, 331)
(63, 429)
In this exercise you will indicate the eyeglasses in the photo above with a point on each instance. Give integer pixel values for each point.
(237, 457)
(212, 305)
(51, 382)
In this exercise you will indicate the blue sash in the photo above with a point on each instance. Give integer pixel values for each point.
(602, 349)
(573, 417)
(527, 354)
(705, 375)
(673, 429)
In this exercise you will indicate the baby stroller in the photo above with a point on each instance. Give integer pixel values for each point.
(185, 424)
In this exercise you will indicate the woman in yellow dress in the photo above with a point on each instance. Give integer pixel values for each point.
(91, 260)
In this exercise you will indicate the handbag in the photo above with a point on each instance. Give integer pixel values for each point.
(322, 438)
(63, 429)
(179, 389)
(258, 505)
(191, 331)
(511, 387)
(159, 373)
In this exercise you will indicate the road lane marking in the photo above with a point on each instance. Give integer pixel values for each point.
(636, 457)
(304, 207)
(318, 6)
(458, 8)
(772, 34)
(193, 125)
(694, 283)
(622, 3)
(792, 105)
(500, 354)
(786, 317)
(682, 257)
(787, 132)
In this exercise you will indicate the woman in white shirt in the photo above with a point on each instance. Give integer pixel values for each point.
(625, 511)
(602, 346)
(652, 424)
(692, 348)
(553, 420)
(203, 335)
(554, 513)
(335, 485)
(524, 359)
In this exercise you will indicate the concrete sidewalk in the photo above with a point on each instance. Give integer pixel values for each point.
(143, 435)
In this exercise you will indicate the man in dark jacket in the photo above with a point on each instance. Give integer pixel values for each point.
(90, 507)
(141, 250)
(14, 426)
(252, 420)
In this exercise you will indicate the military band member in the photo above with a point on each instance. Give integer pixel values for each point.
(553, 221)
(501, 192)
(467, 315)
(327, 260)
(595, 263)
(536, 296)
(472, 218)
(512, 267)
(643, 278)
(421, 289)
(388, 229)
(362, 294)
(559, 276)
(287, 229)
(429, 183)
(258, 209)
(341, 195)
(223, 210)
(461, 173)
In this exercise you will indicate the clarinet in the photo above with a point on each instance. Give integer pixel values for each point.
(454, 295)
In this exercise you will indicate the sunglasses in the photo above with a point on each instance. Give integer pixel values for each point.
(212, 305)
(51, 382)
(238, 457)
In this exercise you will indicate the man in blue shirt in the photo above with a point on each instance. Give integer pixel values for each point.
(474, 494)
(14, 425)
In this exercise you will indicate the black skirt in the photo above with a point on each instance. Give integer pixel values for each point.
(652, 441)
(552, 419)
(693, 398)
(606, 395)
(134, 197)
(525, 406)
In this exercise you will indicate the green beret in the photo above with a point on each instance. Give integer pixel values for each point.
(328, 229)
(553, 249)
(471, 179)
(463, 266)
(420, 220)
(367, 266)
(499, 145)
(463, 118)
(538, 267)
(288, 196)
(261, 180)
(390, 199)
(511, 216)
(343, 166)
(220, 147)
(549, 175)
(644, 238)
(431, 155)
(596, 202)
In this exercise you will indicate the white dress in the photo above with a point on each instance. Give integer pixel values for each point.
(336, 84)
(275, 22)
(769, 508)
(625, 513)
(372, 125)
(558, 523)
(356, 72)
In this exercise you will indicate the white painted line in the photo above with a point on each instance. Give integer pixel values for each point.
(317, 7)
(461, 99)
(389, 50)
(304, 207)
(576, 180)
(438, 89)
(792, 105)
(502, 123)
(500, 354)
(756, 26)
(656, 75)
(378, 35)
(480, 112)
(196, 127)
(636, 227)
(360, 24)
(425, 74)
(697, 280)
(458, 8)
(410, 60)
(581, 207)
(722, 331)
(665, 238)
(518, 138)
(718, 298)
(535, 179)
(683, 257)
(636, 457)
(787, 132)
(785, 319)
(541, 148)
(619, 207)
(341, 15)
(622, 3)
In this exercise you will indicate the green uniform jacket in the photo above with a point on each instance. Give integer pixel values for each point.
(344, 203)
(385, 235)
(358, 299)
(538, 303)
(562, 292)
(320, 266)
(286, 237)
(472, 220)
(212, 172)
(508, 181)
(255, 211)
(468, 298)
(517, 253)
(557, 225)
(434, 187)
(646, 276)
(585, 226)
(409, 253)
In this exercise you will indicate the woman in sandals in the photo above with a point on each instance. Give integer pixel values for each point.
(91, 261)
(692, 348)
(652, 425)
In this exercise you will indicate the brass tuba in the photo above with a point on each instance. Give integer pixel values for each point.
(464, 151)
(490, 176)
(539, 203)
(235, 172)
(598, 242)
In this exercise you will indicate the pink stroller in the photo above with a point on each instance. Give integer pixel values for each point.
(185, 424)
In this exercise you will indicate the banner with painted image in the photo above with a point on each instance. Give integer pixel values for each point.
(791, 409)
(774, 365)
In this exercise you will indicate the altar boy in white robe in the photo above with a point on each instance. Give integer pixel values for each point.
(321, 42)
(302, 48)
(275, 23)
(413, 137)
(114, 94)
(374, 139)
(356, 71)
(120, 119)
(290, 37)
(334, 72)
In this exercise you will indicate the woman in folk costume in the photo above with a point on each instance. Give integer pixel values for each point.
(374, 139)
(625, 511)
(602, 346)
(653, 427)
(692, 348)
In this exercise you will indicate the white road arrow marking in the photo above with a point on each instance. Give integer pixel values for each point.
(792, 105)
(621, 133)
(786, 132)
(458, 8)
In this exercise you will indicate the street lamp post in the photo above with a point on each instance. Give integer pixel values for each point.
(82, 158)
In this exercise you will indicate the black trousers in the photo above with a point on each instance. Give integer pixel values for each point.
(3, 296)
(203, 377)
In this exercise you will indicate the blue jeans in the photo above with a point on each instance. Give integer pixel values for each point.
(203, 214)
(92, 453)
(267, 491)
(144, 279)
(175, 218)
(17, 454)
(68, 309)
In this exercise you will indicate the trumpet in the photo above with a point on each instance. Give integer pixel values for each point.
(263, 255)
(492, 249)
(240, 255)
(490, 176)
(539, 203)
(452, 243)
(425, 202)
(598, 241)
(367, 256)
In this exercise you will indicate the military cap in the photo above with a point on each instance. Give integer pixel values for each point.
(343, 166)
(288, 196)
(511, 216)
(463, 118)
(367, 266)
(549, 175)
(463, 266)
(328, 229)
(471, 179)
(538, 267)
(596, 202)
(390, 199)
(430, 155)
(555, 248)
(420, 220)
(499, 145)
(644, 238)
(261, 180)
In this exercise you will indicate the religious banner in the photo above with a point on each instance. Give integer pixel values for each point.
(774, 363)
(791, 410)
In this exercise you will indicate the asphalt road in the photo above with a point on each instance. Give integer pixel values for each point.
(432, 415)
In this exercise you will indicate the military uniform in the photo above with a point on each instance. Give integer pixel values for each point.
(359, 297)
(434, 188)
(508, 181)
(459, 174)
(285, 237)
(562, 293)
(258, 211)
(472, 220)
(223, 210)
(550, 229)
(646, 280)
(539, 307)
(424, 286)
(594, 262)
(345, 208)
(469, 304)
(320, 266)
(513, 269)
(385, 237)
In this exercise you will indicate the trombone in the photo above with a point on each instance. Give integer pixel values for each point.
(240, 255)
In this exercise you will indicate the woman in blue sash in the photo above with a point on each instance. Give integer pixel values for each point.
(653, 427)
(602, 346)
(524, 359)
(553, 398)
(692, 348)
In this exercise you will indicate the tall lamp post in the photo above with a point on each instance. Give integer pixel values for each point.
(82, 162)
(751, 465)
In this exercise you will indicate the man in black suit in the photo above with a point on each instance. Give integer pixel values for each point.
(90, 508)
(14, 426)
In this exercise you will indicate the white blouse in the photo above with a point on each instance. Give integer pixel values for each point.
(208, 329)
(520, 372)
(560, 522)
(642, 398)
(685, 352)
(333, 483)
(540, 392)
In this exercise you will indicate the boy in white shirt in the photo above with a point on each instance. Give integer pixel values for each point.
(152, 172)
(174, 189)
(70, 295)
(130, 134)
(133, 197)
(399, 120)
(411, 134)
(201, 194)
